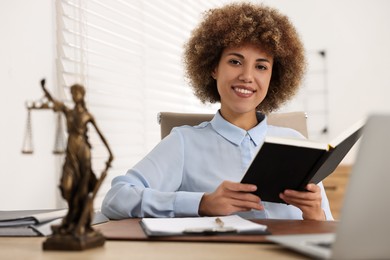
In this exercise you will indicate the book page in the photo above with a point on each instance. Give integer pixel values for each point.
(296, 142)
(348, 132)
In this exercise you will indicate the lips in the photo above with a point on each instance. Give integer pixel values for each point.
(243, 90)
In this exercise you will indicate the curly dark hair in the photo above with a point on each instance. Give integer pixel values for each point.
(234, 25)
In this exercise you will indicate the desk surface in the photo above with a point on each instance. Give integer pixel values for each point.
(30, 248)
(15, 248)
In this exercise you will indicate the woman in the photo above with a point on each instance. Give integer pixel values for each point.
(250, 59)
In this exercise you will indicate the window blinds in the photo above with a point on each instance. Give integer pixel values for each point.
(128, 55)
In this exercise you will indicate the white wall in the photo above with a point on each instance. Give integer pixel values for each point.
(354, 32)
(27, 48)
(356, 35)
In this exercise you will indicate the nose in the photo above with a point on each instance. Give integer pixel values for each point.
(246, 74)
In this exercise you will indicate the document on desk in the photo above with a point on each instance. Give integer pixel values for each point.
(35, 222)
(201, 226)
(29, 217)
(29, 222)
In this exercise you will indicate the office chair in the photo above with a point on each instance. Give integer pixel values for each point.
(168, 120)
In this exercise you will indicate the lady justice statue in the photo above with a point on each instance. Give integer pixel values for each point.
(78, 184)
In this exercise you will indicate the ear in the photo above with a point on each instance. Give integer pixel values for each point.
(214, 73)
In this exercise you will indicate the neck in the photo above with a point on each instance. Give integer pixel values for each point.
(245, 121)
(79, 106)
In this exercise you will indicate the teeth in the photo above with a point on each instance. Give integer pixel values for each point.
(243, 91)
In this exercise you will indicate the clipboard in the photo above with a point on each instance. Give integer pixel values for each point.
(193, 226)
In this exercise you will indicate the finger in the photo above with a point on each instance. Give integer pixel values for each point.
(304, 195)
(296, 202)
(306, 201)
(248, 205)
(236, 186)
(245, 197)
(300, 197)
(313, 187)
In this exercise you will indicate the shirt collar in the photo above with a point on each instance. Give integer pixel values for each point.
(235, 134)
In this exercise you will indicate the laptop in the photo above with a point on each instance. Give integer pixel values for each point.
(364, 228)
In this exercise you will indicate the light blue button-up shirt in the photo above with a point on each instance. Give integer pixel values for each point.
(171, 180)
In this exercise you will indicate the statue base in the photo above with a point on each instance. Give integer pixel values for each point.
(70, 242)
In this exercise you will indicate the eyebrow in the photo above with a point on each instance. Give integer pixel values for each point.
(242, 57)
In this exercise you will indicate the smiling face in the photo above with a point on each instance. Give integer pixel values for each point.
(243, 75)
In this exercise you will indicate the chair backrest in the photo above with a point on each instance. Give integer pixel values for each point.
(168, 120)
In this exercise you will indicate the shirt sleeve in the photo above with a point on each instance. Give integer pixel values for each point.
(325, 203)
(150, 188)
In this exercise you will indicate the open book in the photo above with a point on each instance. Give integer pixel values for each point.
(286, 163)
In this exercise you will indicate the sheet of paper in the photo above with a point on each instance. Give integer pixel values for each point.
(29, 217)
(161, 226)
(36, 222)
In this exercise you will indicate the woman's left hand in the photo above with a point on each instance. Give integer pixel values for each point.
(308, 201)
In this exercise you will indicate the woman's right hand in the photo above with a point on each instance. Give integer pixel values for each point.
(228, 198)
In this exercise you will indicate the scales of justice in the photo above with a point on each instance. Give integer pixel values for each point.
(78, 184)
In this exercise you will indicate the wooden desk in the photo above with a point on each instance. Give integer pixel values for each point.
(12, 248)
(335, 186)
(30, 248)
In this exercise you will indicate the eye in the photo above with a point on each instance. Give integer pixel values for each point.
(234, 62)
(261, 67)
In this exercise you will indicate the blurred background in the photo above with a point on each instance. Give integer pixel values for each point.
(128, 56)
